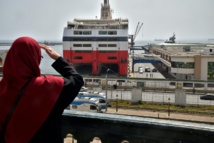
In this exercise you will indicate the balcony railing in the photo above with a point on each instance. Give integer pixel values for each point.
(109, 128)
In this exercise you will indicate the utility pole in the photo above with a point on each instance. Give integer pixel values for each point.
(169, 107)
(106, 83)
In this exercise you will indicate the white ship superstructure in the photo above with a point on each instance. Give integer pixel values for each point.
(94, 45)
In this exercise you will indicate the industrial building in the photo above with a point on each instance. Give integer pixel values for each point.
(186, 61)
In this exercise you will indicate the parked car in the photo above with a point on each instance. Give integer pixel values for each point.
(101, 102)
(90, 95)
(83, 89)
(147, 69)
(154, 70)
(140, 70)
(207, 96)
(85, 105)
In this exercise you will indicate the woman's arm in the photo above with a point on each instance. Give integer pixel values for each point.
(72, 80)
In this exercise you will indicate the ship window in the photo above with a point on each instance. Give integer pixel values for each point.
(112, 51)
(112, 32)
(77, 32)
(86, 45)
(102, 32)
(103, 39)
(78, 57)
(112, 39)
(112, 58)
(112, 45)
(86, 51)
(102, 51)
(78, 51)
(86, 32)
(102, 45)
(77, 45)
(85, 39)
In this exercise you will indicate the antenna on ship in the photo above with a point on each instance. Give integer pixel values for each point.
(106, 2)
(106, 12)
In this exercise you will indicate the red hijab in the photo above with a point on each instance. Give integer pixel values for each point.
(37, 101)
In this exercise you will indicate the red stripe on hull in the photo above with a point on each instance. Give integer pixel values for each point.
(97, 57)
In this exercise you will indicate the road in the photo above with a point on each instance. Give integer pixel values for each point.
(165, 115)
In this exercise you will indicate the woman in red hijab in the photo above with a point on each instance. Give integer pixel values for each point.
(36, 118)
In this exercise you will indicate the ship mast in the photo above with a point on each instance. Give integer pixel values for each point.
(106, 10)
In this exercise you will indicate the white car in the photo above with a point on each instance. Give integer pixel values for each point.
(140, 70)
(83, 89)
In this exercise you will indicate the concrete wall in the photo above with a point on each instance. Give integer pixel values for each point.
(136, 95)
(204, 66)
(84, 126)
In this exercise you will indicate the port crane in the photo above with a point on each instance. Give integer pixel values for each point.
(137, 30)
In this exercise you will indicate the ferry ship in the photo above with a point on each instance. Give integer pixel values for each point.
(96, 46)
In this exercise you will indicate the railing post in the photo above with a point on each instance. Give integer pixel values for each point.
(125, 141)
(96, 140)
(69, 139)
(169, 107)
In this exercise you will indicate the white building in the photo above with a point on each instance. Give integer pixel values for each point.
(190, 62)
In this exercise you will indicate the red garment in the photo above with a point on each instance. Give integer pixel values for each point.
(37, 101)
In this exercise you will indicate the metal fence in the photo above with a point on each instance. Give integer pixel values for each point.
(158, 97)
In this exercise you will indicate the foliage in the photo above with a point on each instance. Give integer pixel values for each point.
(164, 107)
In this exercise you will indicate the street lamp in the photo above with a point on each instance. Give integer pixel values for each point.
(169, 107)
(106, 82)
(177, 73)
(178, 65)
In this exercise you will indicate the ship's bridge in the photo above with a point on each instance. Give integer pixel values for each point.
(98, 24)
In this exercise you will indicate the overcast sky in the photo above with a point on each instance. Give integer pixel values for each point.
(46, 19)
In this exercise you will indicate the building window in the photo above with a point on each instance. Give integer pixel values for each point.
(188, 65)
(210, 74)
(112, 58)
(78, 57)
